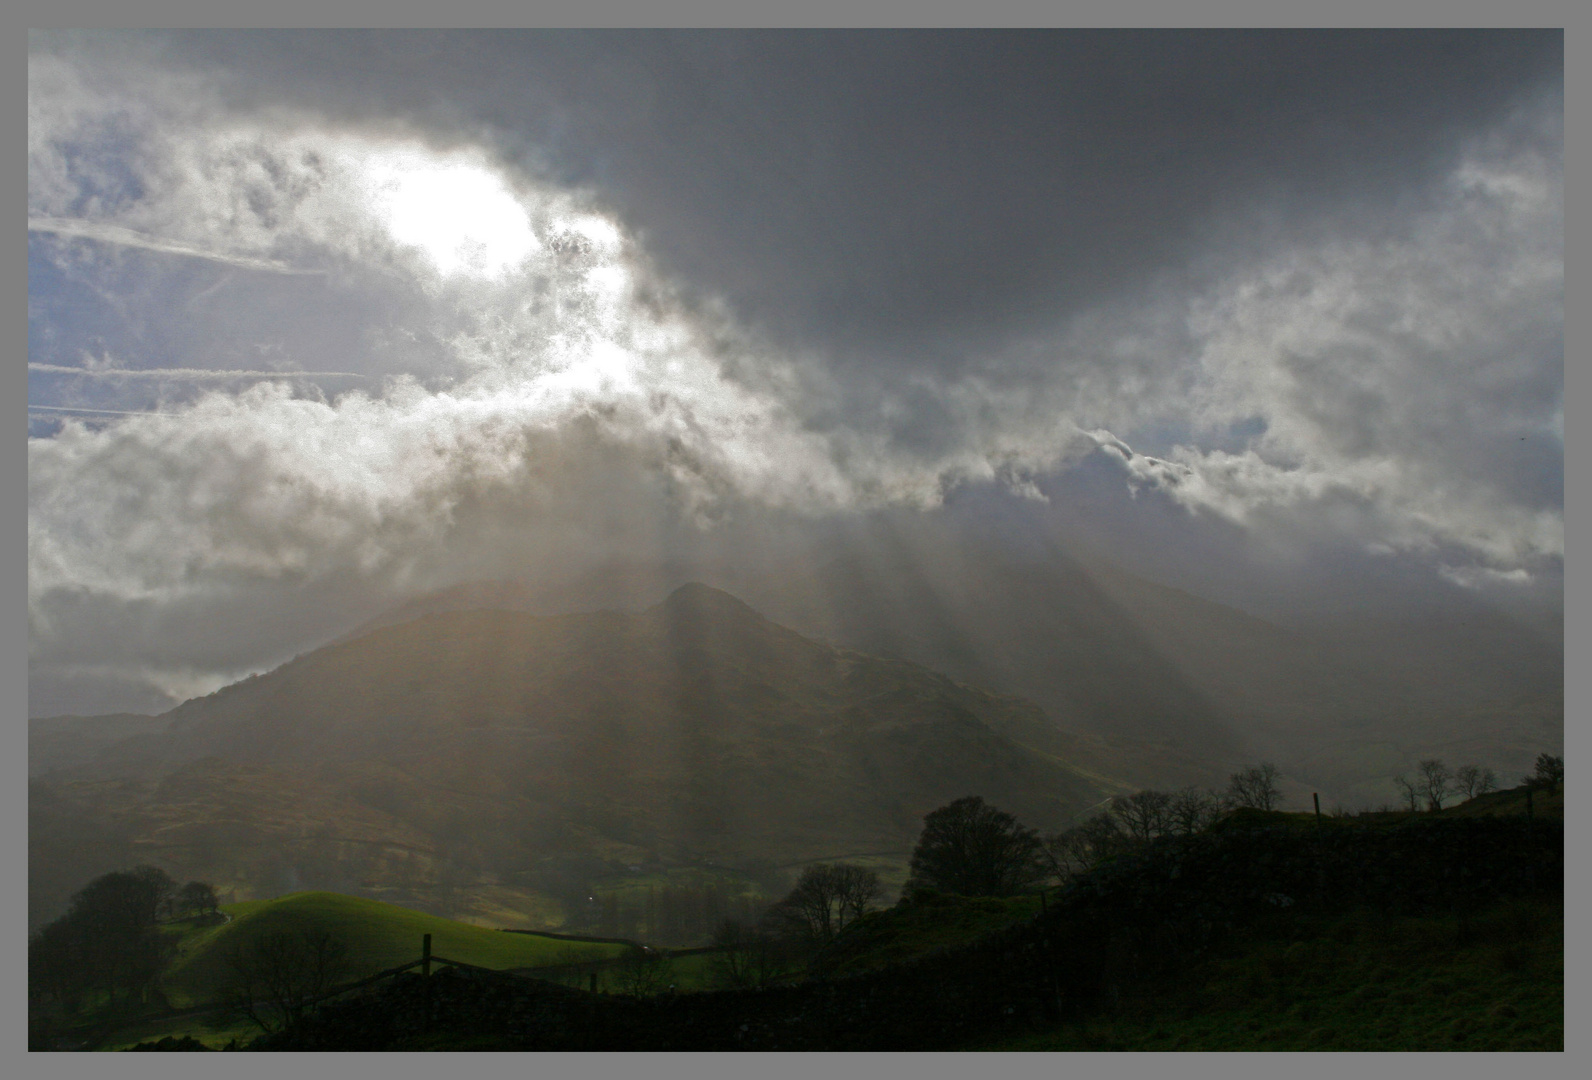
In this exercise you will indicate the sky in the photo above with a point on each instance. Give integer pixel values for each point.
(320, 321)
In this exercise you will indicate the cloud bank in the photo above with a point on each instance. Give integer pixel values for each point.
(543, 389)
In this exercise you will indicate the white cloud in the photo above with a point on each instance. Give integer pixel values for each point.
(1479, 577)
(1379, 375)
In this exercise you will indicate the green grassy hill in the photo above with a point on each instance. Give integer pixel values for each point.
(379, 936)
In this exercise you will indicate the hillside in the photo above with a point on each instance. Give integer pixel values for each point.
(378, 936)
(61, 742)
(1174, 688)
(1179, 687)
(499, 762)
(1425, 934)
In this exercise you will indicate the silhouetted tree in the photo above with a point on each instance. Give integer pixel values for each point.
(197, 898)
(139, 897)
(1409, 791)
(1256, 787)
(1473, 780)
(58, 965)
(1433, 782)
(642, 972)
(856, 889)
(109, 937)
(1144, 815)
(1193, 811)
(747, 957)
(826, 898)
(969, 848)
(276, 976)
(1083, 847)
(1549, 772)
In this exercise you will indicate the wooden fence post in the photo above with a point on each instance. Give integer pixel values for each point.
(1317, 797)
(425, 955)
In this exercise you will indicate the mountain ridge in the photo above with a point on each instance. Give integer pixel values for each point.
(473, 746)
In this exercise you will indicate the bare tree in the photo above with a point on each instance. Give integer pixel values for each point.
(969, 848)
(1256, 787)
(1067, 854)
(1473, 780)
(277, 976)
(746, 957)
(856, 889)
(1193, 811)
(1409, 791)
(827, 897)
(1434, 782)
(1144, 815)
(643, 972)
(1083, 847)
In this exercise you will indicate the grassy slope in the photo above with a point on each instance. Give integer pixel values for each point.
(379, 936)
(1545, 804)
(1493, 981)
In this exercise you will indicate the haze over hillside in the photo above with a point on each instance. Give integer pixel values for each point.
(1183, 686)
(467, 750)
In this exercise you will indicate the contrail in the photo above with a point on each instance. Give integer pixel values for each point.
(105, 412)
(117, 234)
(187, 373)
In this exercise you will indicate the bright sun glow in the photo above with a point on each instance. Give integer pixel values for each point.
(455, 210)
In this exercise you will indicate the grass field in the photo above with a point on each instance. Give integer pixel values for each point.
(378, 935)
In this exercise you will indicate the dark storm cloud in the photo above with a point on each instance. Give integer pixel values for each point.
(1265, 312)
(911, 194)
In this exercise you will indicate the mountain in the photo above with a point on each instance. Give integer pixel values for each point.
(1181, 688)
(60, 742)
(502, 757)
(1165, 688)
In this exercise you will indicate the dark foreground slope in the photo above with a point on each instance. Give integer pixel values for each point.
(1175, 912)
(462, 752)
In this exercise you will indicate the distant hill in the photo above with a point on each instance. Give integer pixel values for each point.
(60, 742)
(1175, 688)
(1183, 686)
(489, 759)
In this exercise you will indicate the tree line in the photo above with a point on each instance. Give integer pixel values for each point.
(970, 848)
(109, 947)
(1434, 783)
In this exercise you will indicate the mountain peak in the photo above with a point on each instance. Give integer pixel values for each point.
(694, 596)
